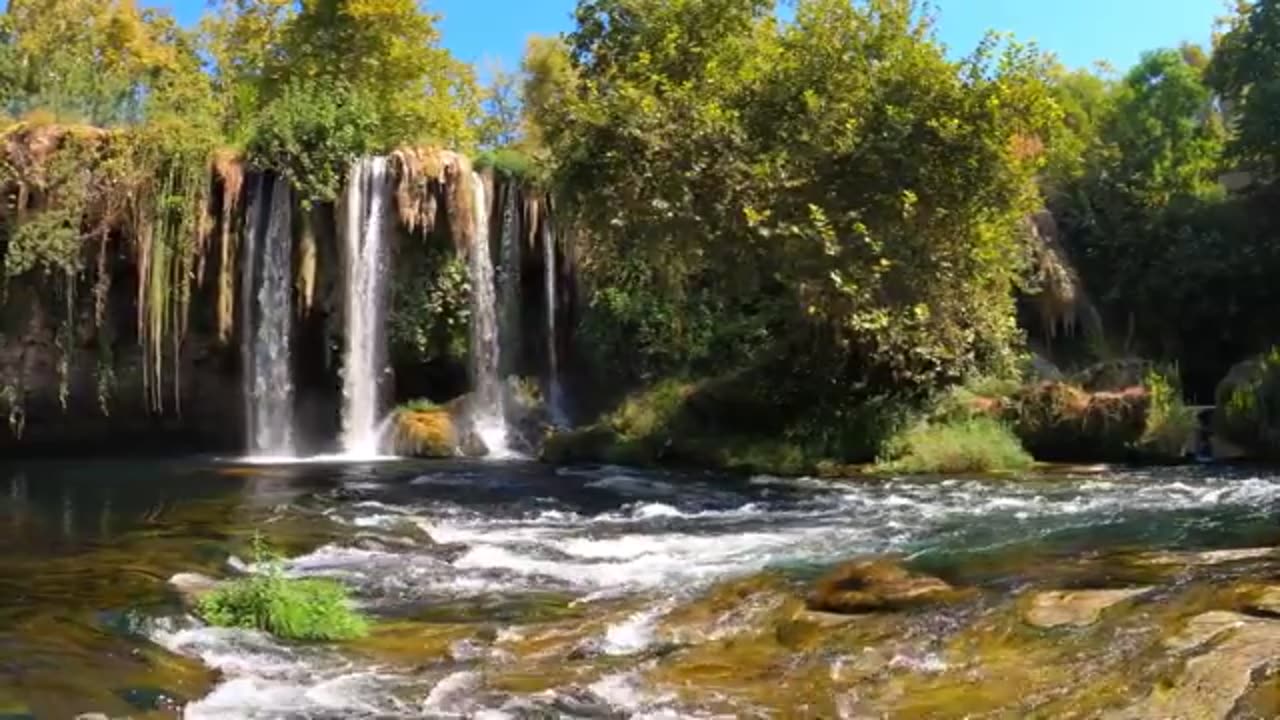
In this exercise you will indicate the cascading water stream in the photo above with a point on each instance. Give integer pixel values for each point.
(509, 280)
(487, 412)
(268, 368)
(368, 200)
(555, 393)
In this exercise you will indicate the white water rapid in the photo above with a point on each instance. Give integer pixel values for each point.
(487, 411)
(367, 203)
(266, 298)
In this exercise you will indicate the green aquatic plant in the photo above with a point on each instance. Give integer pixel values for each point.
(289, 608)
(979, 444)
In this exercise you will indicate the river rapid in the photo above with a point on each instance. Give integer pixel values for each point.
(513, 590)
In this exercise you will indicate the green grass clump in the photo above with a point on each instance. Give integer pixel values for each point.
(419, 405)
(289, 608)
(975, 445)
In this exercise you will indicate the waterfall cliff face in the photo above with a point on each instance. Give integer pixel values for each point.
(488, 413)
(267, 292)
(367, 213)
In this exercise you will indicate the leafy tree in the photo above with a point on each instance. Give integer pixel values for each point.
(501, 125)
(833, 187)
(1246, 73)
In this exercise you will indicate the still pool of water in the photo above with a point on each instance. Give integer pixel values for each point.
(522, 590)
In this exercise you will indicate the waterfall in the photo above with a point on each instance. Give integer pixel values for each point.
(487, 410)
(509, 279)
(554, 391)
(367, 204)
(268, 269)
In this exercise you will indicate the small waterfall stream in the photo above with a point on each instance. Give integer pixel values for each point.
(509, 279)
(268, 372)
(488, 414)
(555, 393)
(368, 202)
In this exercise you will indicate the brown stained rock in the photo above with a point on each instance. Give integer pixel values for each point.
(1227, 649)
(876, 585)
(1075, 608)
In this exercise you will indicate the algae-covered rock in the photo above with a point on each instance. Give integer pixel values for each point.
(1063, 422)
(875, 585)
(1075, 608)
(1248, 406)
(1218, 674)
(426, 432)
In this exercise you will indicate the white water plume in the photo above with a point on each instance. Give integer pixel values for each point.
(488, 414)
(266, 294)
(367, 204)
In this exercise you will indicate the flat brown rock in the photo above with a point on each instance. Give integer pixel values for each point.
(1213, 681)
(1075, 608)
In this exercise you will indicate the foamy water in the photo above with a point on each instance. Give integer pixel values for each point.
(607, 533)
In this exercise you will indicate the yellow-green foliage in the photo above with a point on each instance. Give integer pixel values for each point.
(975, 445)
(1170, 423)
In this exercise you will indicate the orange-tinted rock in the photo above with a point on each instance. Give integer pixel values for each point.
(425, 433)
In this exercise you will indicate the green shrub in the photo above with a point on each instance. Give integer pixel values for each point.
(1170, 423)
(289, 608)
(974, 445)
(509, 162)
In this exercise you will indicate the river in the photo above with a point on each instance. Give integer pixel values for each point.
(512, 590)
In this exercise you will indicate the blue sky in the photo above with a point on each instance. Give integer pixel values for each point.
(1079, 31)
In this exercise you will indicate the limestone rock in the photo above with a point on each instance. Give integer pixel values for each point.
(1075, 608)
(1212, 681)
(875, 585)
(192, 586)
(428, 433)
(1212, 557)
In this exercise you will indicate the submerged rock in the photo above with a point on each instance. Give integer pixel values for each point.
(428, 433)
(1212, 682)
(1076, 608)
(875, 585)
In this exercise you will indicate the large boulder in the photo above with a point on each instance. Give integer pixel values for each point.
(1063, 422)
(426, 432)
(1226, 652)
(1248, 406)
(863, 586)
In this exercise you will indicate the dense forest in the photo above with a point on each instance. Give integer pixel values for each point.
(789, 239)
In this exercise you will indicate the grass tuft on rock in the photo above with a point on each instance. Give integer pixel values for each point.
(973, 445)
(308, 609)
